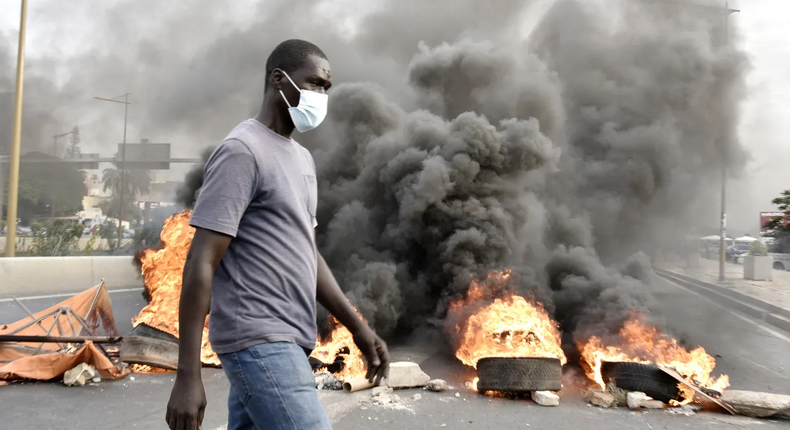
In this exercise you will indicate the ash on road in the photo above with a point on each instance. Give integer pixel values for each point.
(755, 356)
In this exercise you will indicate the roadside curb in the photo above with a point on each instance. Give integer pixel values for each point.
(764, 311)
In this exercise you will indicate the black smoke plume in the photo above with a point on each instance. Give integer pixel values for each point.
(564, 140)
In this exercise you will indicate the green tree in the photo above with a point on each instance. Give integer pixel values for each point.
(55, 238)
(780, 228)
(135, 181)
(74, 150)
(110, 207)
(47, 189)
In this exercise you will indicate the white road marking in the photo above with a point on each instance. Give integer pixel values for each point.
(55, 296)
(749, 320)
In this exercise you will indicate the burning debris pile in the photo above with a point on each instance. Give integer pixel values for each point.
(163, 270)
(537, 163)
(638, 343)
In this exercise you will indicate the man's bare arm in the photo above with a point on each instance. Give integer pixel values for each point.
(204, 255)
(188, 400)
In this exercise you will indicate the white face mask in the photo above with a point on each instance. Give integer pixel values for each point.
(311, 110)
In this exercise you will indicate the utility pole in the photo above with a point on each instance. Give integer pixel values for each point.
(122, 165)
(723, 226)
(13, 181)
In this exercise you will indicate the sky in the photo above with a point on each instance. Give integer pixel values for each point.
(58, 30)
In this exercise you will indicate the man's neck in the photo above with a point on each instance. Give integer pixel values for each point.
(270, 117)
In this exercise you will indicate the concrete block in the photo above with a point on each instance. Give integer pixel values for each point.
(546, 398)
(654, 404)
(636, 399)
(79, 375)
(758, 268)
(601, 399)
(405, 374)
(756, 404)
(437, 385)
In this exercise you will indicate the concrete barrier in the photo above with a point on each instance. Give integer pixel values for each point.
(25, 276)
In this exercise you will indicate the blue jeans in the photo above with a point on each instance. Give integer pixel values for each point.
(272, 387)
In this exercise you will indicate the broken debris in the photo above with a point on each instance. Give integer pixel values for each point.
(636, 399)
(328, 381)
(437, 385)
(600, 398)
(687, 410)
(546, 398)
(79, 375)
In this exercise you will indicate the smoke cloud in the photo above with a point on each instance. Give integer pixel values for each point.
(564, 140)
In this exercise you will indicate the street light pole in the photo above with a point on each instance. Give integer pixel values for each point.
(13, 181)
(55, 146)
(723, 226)
(123, 159)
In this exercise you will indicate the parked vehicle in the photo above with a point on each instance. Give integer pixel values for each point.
(20, 230)
(736, 252)
(781, 261)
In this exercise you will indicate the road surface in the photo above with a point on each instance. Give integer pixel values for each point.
(755, 356)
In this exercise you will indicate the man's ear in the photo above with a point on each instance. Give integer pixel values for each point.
(276, 79)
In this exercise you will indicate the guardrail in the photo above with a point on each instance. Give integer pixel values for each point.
(774, 315)
(49, 275)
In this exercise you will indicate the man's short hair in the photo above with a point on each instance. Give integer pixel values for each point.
(290, 55)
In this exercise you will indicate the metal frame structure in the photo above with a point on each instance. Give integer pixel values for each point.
(87, 331)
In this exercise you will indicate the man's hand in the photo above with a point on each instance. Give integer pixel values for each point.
(375, 352)
(187, 404)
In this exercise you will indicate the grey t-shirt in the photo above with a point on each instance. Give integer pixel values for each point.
(260, 188)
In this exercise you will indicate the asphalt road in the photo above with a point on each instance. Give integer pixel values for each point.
(755, 356)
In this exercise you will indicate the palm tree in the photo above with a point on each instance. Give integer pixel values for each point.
(136, 182)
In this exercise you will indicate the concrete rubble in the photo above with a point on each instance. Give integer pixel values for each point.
(405, 374)
(437, 385)
(756, 404)
(383, 396)
(79, 375)
(635, 399)
(687, 410)
(327, 381)
(620, 395)
(600, 398)
(546, 398)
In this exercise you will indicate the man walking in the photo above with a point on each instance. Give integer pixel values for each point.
(254, 262)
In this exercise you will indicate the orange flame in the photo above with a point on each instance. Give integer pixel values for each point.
(340, 344)
(510, 326)
(644, 344)
(162, 272)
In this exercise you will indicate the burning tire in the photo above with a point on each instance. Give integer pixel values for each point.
(519, 374)
(149, 346)
(646, 378)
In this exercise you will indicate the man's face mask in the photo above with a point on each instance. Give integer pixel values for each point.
(311, 110)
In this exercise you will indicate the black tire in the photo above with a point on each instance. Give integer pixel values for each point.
(519, 374)
(778, 265)
(646, 378)
(146, 330)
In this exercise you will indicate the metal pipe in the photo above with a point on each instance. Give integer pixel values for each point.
(60, 339)
(13, 181)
